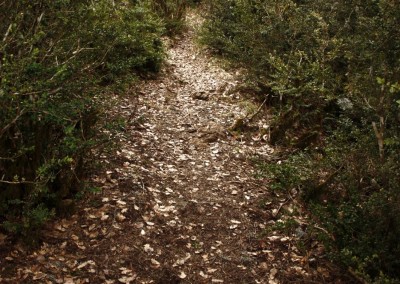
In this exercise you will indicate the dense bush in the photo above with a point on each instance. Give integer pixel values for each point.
(172, 12)
(331, 70)
(58, 59)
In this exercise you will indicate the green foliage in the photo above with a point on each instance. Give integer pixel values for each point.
(286, 227)
(172, 12)
(353, 194)
(331, 70)
(58, 60)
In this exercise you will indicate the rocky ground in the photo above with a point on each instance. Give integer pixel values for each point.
(180, 200)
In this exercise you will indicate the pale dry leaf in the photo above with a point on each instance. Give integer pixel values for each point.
(274, 238)
(202, 274)
(58, 227)
(148, 248)
(120, 202)
(83, 264)
(126, 279)
(155, 263)
(120, 217)
(125, 270)
(68, 280)
(272, 273)
(182, 275)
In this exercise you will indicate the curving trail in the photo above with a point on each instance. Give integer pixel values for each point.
(180, 202)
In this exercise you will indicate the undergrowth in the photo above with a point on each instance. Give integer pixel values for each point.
(60, 63)
(330, 71)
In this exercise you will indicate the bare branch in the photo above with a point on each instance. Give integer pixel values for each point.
(17, 182)
(258, 110)
(8, 126)
(7, 33)
(379, 136)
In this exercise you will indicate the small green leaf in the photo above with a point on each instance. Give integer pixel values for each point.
(381, 81)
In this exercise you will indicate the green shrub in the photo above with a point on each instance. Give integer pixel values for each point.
(58, 60)
(331, 71)
(172, 12)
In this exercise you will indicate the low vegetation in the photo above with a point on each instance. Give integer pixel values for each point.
(172, 12)
(59, 63)
(330, 71)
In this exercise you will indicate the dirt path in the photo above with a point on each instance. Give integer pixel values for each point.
(183, 204)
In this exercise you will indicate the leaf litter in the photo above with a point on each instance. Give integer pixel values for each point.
(180, 202)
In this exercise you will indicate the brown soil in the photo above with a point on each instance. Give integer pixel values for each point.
(180, 200)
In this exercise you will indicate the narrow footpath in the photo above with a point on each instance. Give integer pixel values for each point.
(180, 202)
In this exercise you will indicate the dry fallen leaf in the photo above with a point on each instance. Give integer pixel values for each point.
(125, 270)
(155, 263)
(272, 273)
(176, 159)
(120, 217)
(148, 248)
(120, 202)
(126, 279)
(84, 264)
